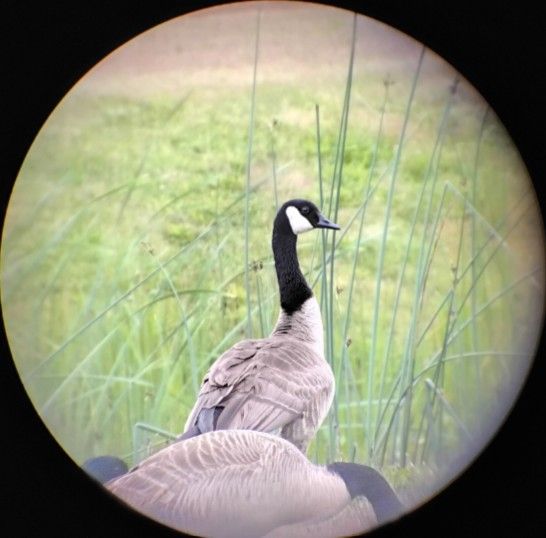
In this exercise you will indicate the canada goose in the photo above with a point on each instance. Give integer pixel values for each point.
(105, 468)
(281, 384)
(242, 483)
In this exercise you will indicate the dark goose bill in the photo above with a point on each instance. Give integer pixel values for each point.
(323, 222)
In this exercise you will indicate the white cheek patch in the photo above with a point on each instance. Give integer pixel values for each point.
(298, 222)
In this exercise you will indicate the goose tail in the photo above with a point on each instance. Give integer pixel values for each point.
(105, 468)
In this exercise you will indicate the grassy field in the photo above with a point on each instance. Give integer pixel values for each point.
(124, 248)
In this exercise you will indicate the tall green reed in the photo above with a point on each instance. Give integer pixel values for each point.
(409, 352)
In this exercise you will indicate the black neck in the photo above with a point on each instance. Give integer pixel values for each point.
(293, 288)
(365, 481)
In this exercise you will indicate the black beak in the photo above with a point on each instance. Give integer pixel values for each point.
(323, 222)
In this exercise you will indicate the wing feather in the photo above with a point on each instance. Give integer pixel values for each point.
(238, 484)
(265, 385)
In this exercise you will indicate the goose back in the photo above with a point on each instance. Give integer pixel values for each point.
(237, 483)
(231, 484)
(281, 384)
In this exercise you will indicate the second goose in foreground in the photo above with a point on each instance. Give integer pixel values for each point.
(281, 384)
(241, 483)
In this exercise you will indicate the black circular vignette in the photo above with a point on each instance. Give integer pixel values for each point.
(500, 50)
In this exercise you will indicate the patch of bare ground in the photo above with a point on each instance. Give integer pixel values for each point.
(215, 47)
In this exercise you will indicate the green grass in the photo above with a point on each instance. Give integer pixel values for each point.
(137, 248)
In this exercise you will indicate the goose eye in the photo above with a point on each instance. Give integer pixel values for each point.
(305, 210)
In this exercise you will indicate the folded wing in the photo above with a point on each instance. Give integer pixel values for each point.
(273, 385)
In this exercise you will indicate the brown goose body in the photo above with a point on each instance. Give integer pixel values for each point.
(281, 384)
(241, 483)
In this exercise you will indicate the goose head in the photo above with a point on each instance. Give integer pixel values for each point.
(298, 216)
(293, 218)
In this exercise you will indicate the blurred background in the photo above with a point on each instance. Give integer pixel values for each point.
(124, 247)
